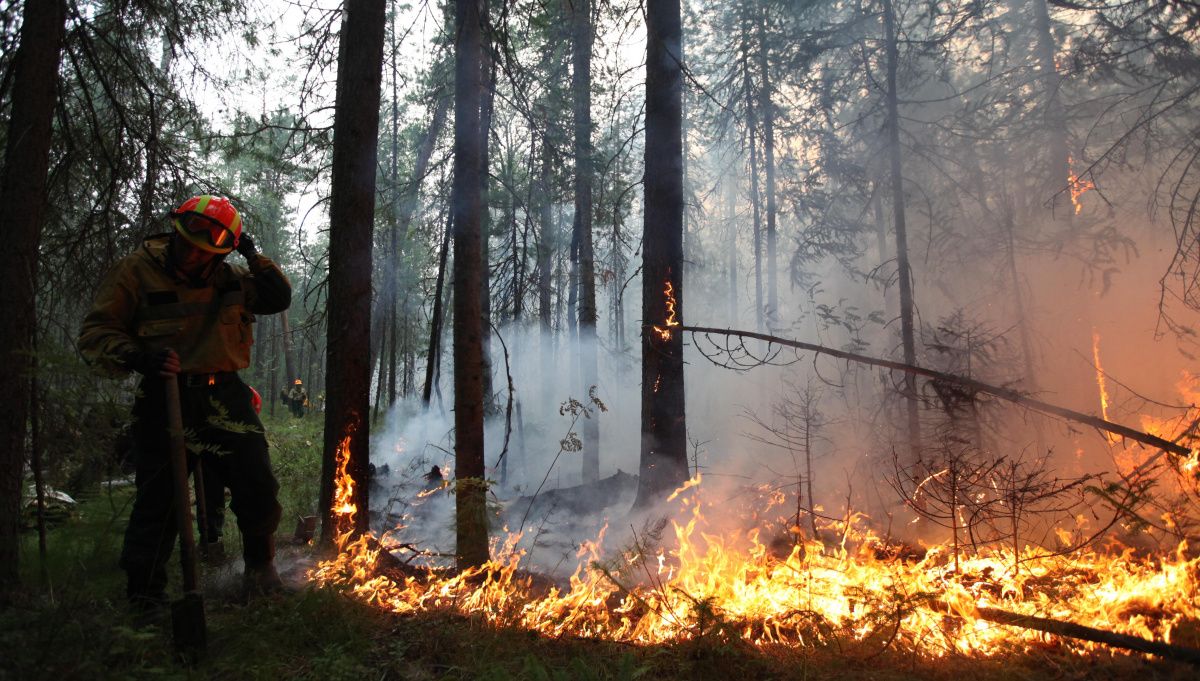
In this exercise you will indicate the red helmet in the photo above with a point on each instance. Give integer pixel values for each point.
(209, 223)
(255, 399)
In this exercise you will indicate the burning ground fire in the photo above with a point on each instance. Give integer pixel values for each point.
(844, 588)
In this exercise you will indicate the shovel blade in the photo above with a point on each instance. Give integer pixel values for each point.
(188, 628)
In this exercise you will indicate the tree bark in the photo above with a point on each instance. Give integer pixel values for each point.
(907, 331)
(664, 463)
(351, 220)
(581, 86)
(465, 204)
(22, 204)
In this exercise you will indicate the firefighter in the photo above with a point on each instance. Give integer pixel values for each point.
(175, 306)
(297, 398)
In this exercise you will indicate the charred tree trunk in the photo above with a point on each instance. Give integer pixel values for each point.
(466, 207)
(907, 331)
(22, 203)
(581, 86)
(351, 218)
(664, 464)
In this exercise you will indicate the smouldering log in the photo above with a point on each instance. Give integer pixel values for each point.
(1009, 394)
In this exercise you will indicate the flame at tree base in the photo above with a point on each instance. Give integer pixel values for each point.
(841, 592)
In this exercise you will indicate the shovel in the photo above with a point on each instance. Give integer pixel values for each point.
(187, 614)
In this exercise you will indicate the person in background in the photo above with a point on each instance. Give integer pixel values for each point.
(297, 398)
(175, 307)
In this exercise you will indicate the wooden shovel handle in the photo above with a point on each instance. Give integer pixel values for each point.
(179, 472)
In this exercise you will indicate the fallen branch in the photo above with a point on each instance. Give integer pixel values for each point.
(1078, 631)
(969, 383)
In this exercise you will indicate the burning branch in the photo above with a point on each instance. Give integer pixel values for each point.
(1174, 449)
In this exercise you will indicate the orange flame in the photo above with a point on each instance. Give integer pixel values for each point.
(1076, 185)
(672, 320)
(842, 591)
(344, 508)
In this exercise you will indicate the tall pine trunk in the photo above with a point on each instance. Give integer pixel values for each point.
(351, 222)
(22, 204)
(581, 86)
(1059, 164)
(664, 425)
(466, 208)
(907, 332)
(487, 77)
(755, 201)
(768, 115)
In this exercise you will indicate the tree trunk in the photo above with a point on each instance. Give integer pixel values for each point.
(435, 323)
(22, 202)
(487, 75)
(581, 86)
(755, 202)
(351, 218)
(664, 463)
(768, 113)
(289, 354)
(906, 295)
(466, 207)
(731, 225)
(1055, 114)
(274, 365)
(392, 266)
(147, 208)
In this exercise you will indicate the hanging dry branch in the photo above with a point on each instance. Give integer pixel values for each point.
(971, 384)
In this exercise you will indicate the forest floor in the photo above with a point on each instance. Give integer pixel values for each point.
(71, 623)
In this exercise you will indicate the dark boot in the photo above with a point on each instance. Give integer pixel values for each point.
(260, 578)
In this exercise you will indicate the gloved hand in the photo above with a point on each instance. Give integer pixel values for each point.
(246, 247)
(164, 363)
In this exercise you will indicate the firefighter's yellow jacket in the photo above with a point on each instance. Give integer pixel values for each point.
(144, 305)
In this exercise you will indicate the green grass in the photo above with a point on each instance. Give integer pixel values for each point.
(70, 622)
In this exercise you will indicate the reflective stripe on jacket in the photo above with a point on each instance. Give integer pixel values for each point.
(143, 306)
